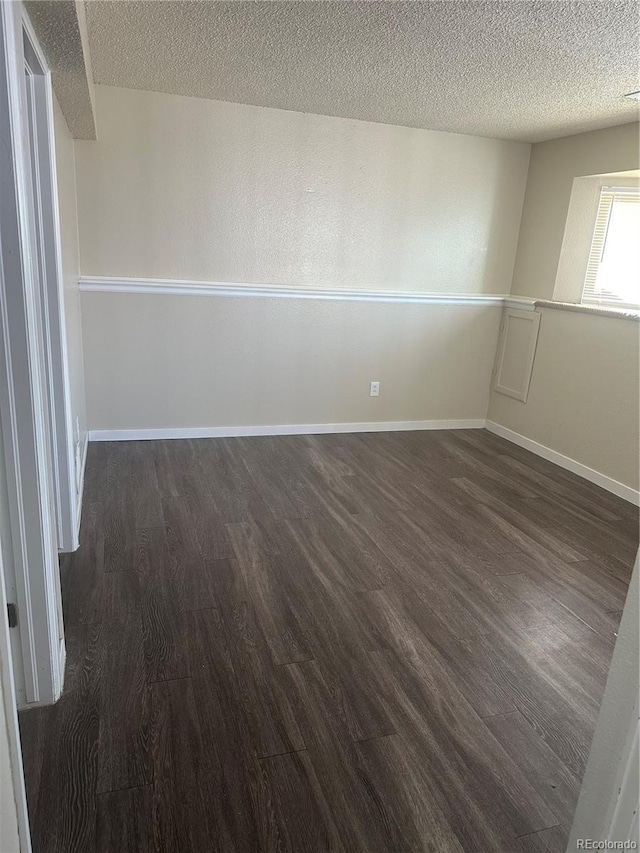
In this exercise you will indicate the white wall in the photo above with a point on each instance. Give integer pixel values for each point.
(181, 188)
(66, 176)
(186, 188)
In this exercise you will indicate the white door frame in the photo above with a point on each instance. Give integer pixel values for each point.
(13, 729)
(65, 442)
(32, 579)
(609, 800)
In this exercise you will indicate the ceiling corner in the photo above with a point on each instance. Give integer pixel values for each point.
(61, 30)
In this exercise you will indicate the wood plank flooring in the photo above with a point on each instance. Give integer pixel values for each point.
(357, 643)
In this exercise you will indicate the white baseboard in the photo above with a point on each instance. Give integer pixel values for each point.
(62, 666)
(279, 429)
(58, 681)
(83, 465)
(608, 483)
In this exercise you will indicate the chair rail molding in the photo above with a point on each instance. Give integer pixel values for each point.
(177, 287)
(185, 287)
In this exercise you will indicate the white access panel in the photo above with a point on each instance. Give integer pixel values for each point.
(516, 352)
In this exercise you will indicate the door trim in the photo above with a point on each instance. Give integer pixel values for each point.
(31, 560)
(63, 439)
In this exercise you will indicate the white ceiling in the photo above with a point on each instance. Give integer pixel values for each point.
(506, 68)
(60, 28)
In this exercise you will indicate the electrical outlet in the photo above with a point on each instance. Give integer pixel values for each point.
(374, 389)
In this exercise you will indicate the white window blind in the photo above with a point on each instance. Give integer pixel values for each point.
(613, 271)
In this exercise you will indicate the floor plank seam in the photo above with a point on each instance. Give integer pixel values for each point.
(375, 737)
(124, 788)
(279, 754)
(538, 831)
(169, 680)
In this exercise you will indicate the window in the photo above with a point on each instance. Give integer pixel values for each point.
(613, 271)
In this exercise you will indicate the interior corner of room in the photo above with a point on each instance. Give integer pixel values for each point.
(377, 292)
(234, 267)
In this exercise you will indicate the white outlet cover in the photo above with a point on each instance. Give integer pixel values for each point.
(374, 389)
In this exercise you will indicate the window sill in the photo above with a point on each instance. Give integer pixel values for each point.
(596, 310)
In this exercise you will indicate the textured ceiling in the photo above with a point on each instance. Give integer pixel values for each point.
(61, 30)
(506, 68)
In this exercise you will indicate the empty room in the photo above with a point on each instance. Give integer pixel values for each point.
(319, 426)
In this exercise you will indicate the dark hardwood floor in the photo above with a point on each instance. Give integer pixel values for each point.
(359, 643)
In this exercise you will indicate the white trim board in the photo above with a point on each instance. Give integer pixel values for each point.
(32, 576)
(50, 283)
(178, 287)
(170, 287)
(62, 661)
(80, 492)
(279, 429)
(608, 483)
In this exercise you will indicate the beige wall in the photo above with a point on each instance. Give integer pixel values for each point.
(187, 188)
(172, 361)
(65, 171)
(181, 188)
(583, 399)
(553, 167)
